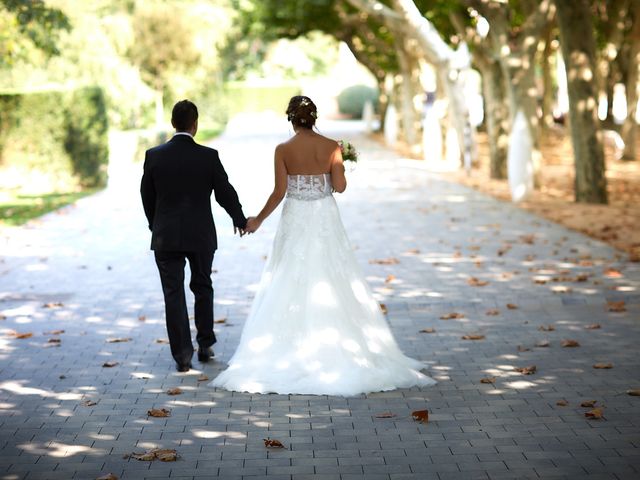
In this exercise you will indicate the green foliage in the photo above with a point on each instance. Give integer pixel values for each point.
(352, 99)
(58, 135)
(19, 209)
(28, 24)
(256, 98)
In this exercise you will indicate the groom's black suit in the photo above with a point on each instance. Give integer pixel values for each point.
(176, 187)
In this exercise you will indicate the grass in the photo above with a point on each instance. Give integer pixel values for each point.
(18, 209)
(206, 134)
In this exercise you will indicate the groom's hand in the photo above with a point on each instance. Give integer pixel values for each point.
(241, 231)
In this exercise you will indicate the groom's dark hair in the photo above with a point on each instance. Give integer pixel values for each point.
(184, 115)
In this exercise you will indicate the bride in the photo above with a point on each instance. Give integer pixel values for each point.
(314, 326)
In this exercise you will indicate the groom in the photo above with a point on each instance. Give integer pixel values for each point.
(176, 187)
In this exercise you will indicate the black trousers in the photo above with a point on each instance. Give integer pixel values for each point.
(171, 267)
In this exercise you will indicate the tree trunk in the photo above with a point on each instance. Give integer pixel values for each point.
(630, 126)
(497, 117)
(547, 81)
(578, 49)
(408, 120)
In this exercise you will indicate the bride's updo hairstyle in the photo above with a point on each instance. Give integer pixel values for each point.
(302, 112)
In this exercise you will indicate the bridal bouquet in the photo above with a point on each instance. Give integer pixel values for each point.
(349, 152)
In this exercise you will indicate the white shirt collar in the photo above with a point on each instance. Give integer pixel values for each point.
(183, 133)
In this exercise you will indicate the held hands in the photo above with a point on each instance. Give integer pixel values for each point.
(253, 224)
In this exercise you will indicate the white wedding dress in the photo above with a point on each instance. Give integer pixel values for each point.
(314, 326)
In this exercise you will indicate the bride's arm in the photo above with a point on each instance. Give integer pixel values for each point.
(279, 191)
(338, 180)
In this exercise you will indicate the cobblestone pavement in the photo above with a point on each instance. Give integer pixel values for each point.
(86, 272)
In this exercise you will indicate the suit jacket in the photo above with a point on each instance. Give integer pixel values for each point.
(176, 187)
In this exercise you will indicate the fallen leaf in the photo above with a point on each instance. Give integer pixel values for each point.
(546, 328)
(54, 340)
(159, 412)
(164, 455)
(385, 261)
(110, 364)
(53, 305)
(618, 306)
(570, 343)
(385, 415)
(174, 391)
(142, 318)
(488, 380)
(22, 335)
(203, 378)
(451, 316)
(512, 306)
(108, 476)
(118, 340)
(272, 443)
(413, 251)
(220, 320)
(634, 393)
(523, 349)
(3, 317)
(428, 330)
(421, 416)
(528, 239)
(603, 366)
(527, 370)
(383, 307)
(612, 273)
(162, 340)
(389, 279)
(542, 343)
(588, 403)
(492, 312)
(473, 336)
(539, 281)
(89, 403)
(62, 377)
(475, 282)
(54, 332)
(593, 326)
(594, 414)
(562, 403)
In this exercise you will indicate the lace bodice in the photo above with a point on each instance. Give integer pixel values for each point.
(309, 187)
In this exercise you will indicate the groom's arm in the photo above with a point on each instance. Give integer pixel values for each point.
(226, 195)
(148, 192)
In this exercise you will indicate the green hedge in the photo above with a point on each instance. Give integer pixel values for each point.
(352, 99)
(62, 135)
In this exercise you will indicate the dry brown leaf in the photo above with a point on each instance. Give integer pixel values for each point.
(272, 443)
(603, 366)
(588, 403)
(142, 318)
(562, 403)
(492, 312)
(162, 454)
(530, 370)
(618, 306)
(473, 336)
(542, 343)
(522, 348)
(385, 415)
(108, 476)
(570, 343)
(634, 392)
(488, 380)
(451, 316)
(54, 340)
(162, 340)
(528, 239)
(594, 414)
(385, 261)
(413, 251)
(383, 307)
(159, 412)
(53, 305)
(21, 336)
(220, 320)
(89, 403)
(174, 391)
(203, 378)
(476, 282)
(593, 326)
(109, 364)
(512, 306)
(546, 328)
(539, 281)
(118, 340)
(421, 416)
(428, 330)
(54, 332)
(389, 279)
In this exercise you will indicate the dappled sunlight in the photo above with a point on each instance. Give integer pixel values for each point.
(520, 384)
(17, 388)
(216, 434)
(59, 450)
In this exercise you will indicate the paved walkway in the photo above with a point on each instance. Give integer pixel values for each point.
(87, 271)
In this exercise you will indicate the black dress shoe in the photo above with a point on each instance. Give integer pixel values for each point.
(183, 367)
(205, 354)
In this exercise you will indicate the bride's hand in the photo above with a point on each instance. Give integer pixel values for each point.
(252, 225)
